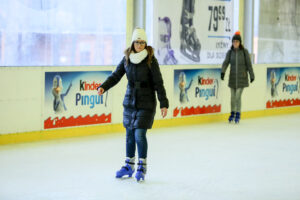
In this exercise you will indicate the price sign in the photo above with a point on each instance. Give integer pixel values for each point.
(219, 18)
(218, 15)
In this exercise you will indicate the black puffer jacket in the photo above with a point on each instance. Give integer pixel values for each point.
(140, 99)
(240, 66)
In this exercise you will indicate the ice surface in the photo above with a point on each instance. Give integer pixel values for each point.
(257, 159)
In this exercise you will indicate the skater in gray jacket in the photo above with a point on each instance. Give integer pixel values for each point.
(240, 66)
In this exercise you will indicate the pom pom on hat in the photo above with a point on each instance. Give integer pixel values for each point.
(237, 36)
(139, 34)
(237, 33)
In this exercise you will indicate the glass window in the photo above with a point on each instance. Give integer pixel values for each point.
(277, 31)
(62, 32)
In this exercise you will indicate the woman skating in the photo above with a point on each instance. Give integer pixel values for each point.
(240, 66)
(144, 82)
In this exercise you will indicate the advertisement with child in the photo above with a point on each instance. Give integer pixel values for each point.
(71, 99)
(283, 87)
(196, 91)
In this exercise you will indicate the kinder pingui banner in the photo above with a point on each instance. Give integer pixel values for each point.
(196, 91)
(283, 87)
(71, 99)
(192, 31)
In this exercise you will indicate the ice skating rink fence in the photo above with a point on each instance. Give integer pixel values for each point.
(22, 102)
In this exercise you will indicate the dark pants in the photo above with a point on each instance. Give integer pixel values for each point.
(136, 136)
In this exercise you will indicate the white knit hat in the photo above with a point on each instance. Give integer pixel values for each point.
(139, 34)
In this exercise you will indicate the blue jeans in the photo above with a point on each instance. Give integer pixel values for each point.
(136, 136)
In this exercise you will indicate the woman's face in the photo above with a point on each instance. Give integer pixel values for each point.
(139, 45)
(236, 44)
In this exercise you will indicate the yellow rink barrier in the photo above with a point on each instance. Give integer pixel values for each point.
(112, 128)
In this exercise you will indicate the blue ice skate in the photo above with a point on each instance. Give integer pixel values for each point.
(141, 171)
(128, 169)
(237, 117)
(231, 117)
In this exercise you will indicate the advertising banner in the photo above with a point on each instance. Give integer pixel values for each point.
(71, 99)
(196, 91)
(192, 31)
(283, 87)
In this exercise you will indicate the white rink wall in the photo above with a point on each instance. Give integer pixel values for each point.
(22, 93)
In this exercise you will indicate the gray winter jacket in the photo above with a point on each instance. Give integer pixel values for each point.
(240, 66)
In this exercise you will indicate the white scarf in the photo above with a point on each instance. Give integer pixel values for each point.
(136, 58)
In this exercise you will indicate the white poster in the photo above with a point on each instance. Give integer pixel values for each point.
(192, 31)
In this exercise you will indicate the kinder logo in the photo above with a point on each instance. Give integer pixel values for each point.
(85, 86)
(88, 100)
(208, 88)
(290, 77)
(289, 87)
(205, 93)
(205, 81)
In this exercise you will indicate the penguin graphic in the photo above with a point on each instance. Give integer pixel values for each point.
(183, 97)
(58, 103)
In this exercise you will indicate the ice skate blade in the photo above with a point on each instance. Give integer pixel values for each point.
(123, 177)
(140, 181)
(127, 176)
(237, 122)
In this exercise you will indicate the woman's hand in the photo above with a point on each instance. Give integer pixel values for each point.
(100, 91)
(164, 112)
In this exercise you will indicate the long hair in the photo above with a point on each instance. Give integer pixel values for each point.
(130, 49)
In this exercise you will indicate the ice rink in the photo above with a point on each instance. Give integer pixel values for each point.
(259, 159)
